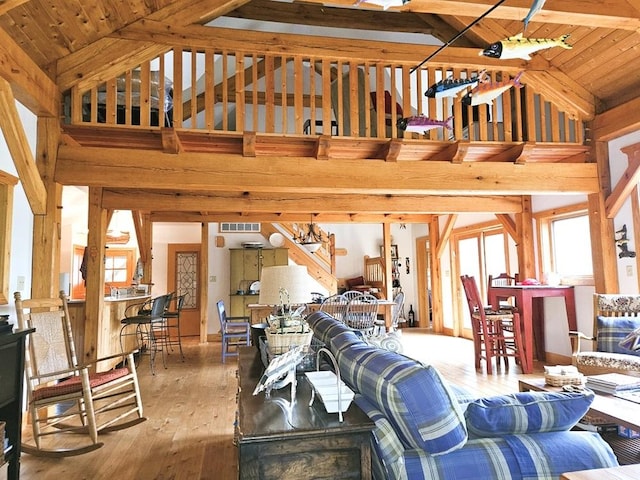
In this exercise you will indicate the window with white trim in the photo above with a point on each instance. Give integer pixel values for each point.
(564, 241)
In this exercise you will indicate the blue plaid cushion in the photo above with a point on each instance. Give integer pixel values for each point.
(612, 330)
(413, 397)
(526, 412)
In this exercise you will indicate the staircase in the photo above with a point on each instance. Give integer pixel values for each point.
(320, 264)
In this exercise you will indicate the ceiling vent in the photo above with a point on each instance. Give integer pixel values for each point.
(227, 227)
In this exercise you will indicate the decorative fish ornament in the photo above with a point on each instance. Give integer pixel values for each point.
(519, 47)
(385, 4)
(450, 87)
(421, 124)
(487, 92)
(535, 8)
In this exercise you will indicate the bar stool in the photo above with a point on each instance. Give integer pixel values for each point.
(148, 329)
(172, 325)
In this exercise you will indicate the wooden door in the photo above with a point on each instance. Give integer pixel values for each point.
(183, 274)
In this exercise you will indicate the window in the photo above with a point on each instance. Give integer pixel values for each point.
(564, 240)
(118, 266)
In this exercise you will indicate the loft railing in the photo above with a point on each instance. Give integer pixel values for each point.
(235, 92)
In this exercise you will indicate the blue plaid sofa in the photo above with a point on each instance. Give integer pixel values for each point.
(426, 428)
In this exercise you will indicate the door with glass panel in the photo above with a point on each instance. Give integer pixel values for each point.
(480, 254)
(183, 274)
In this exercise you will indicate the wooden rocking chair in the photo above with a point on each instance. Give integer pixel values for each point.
(63, 396)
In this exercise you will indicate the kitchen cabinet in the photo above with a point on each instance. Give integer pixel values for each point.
(245, 268)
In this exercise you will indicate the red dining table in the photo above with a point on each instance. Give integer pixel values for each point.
(532, 312)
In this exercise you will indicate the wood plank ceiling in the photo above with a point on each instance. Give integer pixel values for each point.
(79, 42)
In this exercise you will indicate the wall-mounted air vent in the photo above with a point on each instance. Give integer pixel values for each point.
(228, 227)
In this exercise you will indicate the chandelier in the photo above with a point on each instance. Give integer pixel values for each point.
(310, 237)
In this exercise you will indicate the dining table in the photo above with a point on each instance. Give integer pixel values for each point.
(529, 302)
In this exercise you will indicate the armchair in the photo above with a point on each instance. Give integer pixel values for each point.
(615, 317)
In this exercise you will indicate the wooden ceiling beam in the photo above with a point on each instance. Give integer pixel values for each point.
(268, 202)
(230, 39)
(327, 16)
(20, 151)
(588, 14)
(111, 167)
(288, 218)
(108, 57)
(30, 85)
(617, 121)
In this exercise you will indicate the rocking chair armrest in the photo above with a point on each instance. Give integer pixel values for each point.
(59, 373)
(575, 337)
(108, 357)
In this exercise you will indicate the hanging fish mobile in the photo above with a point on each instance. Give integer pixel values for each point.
(422, 124)
(385, 4)
(450, 87)
(535, 8)
(487, 92)
(520, 47)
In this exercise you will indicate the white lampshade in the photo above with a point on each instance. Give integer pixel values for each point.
(293, 278)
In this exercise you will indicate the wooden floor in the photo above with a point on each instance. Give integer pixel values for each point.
(191, 407)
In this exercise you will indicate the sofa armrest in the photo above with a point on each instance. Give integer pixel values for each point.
(575, 338)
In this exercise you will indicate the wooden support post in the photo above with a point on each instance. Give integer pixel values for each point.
(525, 247)
(603, 246)
(386, 242)
(204, 280)
(45, 266)
(94, 302)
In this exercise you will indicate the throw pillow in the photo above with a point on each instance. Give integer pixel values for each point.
(612, 330)
(526, 412)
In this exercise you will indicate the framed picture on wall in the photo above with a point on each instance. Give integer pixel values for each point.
(394, 251)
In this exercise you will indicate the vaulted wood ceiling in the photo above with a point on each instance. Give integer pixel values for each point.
(78, 42)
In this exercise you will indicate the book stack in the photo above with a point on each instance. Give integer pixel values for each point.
(612, 383)
(5, 326)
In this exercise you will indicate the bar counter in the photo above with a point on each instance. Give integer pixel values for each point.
(109, 331)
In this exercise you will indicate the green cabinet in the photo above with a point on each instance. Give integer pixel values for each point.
(245, 268)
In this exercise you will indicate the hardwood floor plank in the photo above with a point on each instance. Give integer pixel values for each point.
(191, 408)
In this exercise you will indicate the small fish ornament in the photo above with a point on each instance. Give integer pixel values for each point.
(520, 47)
(450, 87)
(487, 92)
(535, 8)
(422, 124)
(385, 4)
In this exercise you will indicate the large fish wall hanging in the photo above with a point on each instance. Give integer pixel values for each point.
(385, 4)
(487, 92)
(450, 87)
(520, 47)
(422, 124)
(535, 8)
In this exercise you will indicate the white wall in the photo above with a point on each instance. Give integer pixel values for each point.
(22, 229)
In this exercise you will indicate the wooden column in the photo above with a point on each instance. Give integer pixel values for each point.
(204, 282)
(94, 304)
(45, 266)
(603, 246)
(386, 242)
(436, 275)
(525, 247)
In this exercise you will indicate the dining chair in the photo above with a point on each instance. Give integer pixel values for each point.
(235, 331)
(495, 333)
(503, 280)
(71, 403)
(361, 314)
(335, 305)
